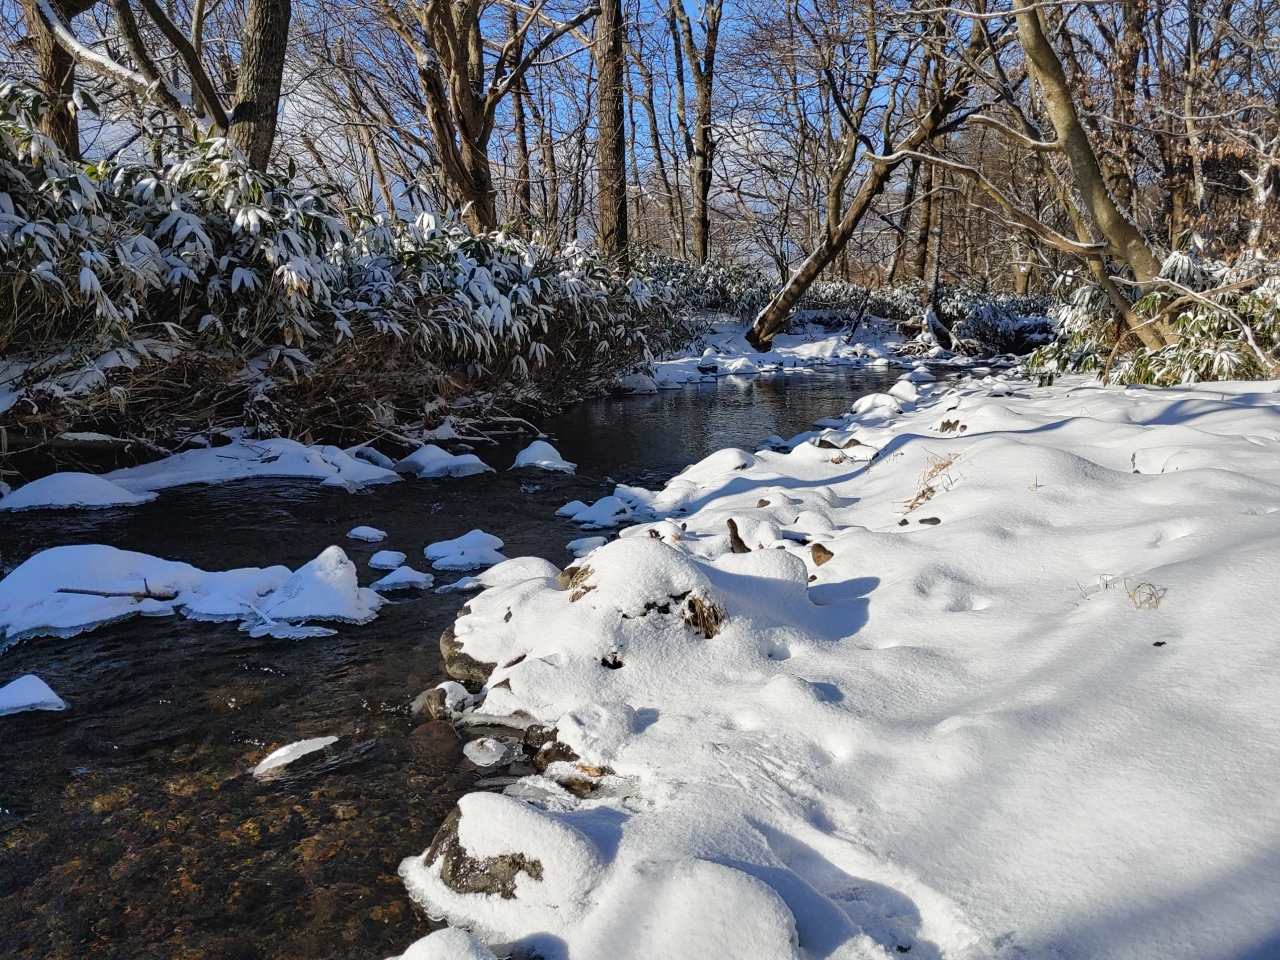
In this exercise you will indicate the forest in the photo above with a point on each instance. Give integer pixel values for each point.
(331, 218)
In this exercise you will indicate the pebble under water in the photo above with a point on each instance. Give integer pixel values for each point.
(130, 825)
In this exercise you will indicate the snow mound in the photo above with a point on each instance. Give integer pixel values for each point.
(247, 459)
(28, 692)
(367, 534)
(605, 513)
(387, 560)
(638, 383)
(571, 508)
(285, 755)
(71, 490)
(326, 588)
(584, 545)
(403, 578)
(471, 551)
(450, 943)
(544, 456)
(431, 461)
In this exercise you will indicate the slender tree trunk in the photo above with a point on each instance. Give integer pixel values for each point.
(904, 221)
(524, 195)
(55, 68)
(921, 264)
(261, 74)
(611, 134)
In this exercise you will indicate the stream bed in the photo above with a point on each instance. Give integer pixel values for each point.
(130, 825)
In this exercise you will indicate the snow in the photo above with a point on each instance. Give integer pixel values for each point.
(508, 571)
(71, 490)
(486, 752)
(367, 534)
(404, 578)
(447, 944)
(544, 455)
(290, 752)
(387, 560)
(605, 513)
(471, 551)
(431, 461)
(1025, 706)
(28, 692)
(67, 590)
(323, 589)
(246, 459)
(584, 545)
(638, 383)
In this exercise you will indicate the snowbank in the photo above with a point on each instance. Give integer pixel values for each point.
(246, 459)
(67, 590)
(998, 680)
(71, 490)
(431, 461)
(543, 455)
(28, 692)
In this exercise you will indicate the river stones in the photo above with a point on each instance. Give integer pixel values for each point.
(466, 874)
(820, 554)
(551, 752)
(735, 539)
(463, 668)
(435, 744)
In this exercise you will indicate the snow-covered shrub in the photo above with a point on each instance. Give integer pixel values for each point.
(258, 291)
(983, 323)
(1225, 316)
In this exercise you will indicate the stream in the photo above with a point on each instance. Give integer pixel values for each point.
(129, 823)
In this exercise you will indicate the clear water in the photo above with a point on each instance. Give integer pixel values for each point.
(129, 825)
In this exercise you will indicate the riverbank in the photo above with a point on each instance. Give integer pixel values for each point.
(131, 820)
(976, 670)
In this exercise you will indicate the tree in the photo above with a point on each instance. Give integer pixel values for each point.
(866, 64)
(55, 69)
(462, 86)
(702, 67)
(611, 134)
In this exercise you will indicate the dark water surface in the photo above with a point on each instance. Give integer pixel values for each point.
(129, 823)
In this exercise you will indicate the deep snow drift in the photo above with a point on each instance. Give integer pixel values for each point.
(974, 671)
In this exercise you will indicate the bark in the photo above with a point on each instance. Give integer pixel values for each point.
(908, 201)
(702, 67)
(261, 73)
(921, 264)
(611, 136)
(1123, 239)
(55, 69)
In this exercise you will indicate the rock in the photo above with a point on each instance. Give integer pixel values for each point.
(537, 734)
(435, 743)
(432, 703)
(760, 504)
(735, 540)
(550, 752)
(930, 521)
(463, 668)
(465, 874)
(820, 554)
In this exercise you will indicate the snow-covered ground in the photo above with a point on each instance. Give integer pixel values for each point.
(979, 670)
(726, 353)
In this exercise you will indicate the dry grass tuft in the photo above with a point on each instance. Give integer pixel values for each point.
(935, 477)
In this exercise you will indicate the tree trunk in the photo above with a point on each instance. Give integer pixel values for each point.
(1122, 237)
(921, 264)
(611, 135)
(55, 68)
(261, 73)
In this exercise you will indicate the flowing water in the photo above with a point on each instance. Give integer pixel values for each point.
(129, 823)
